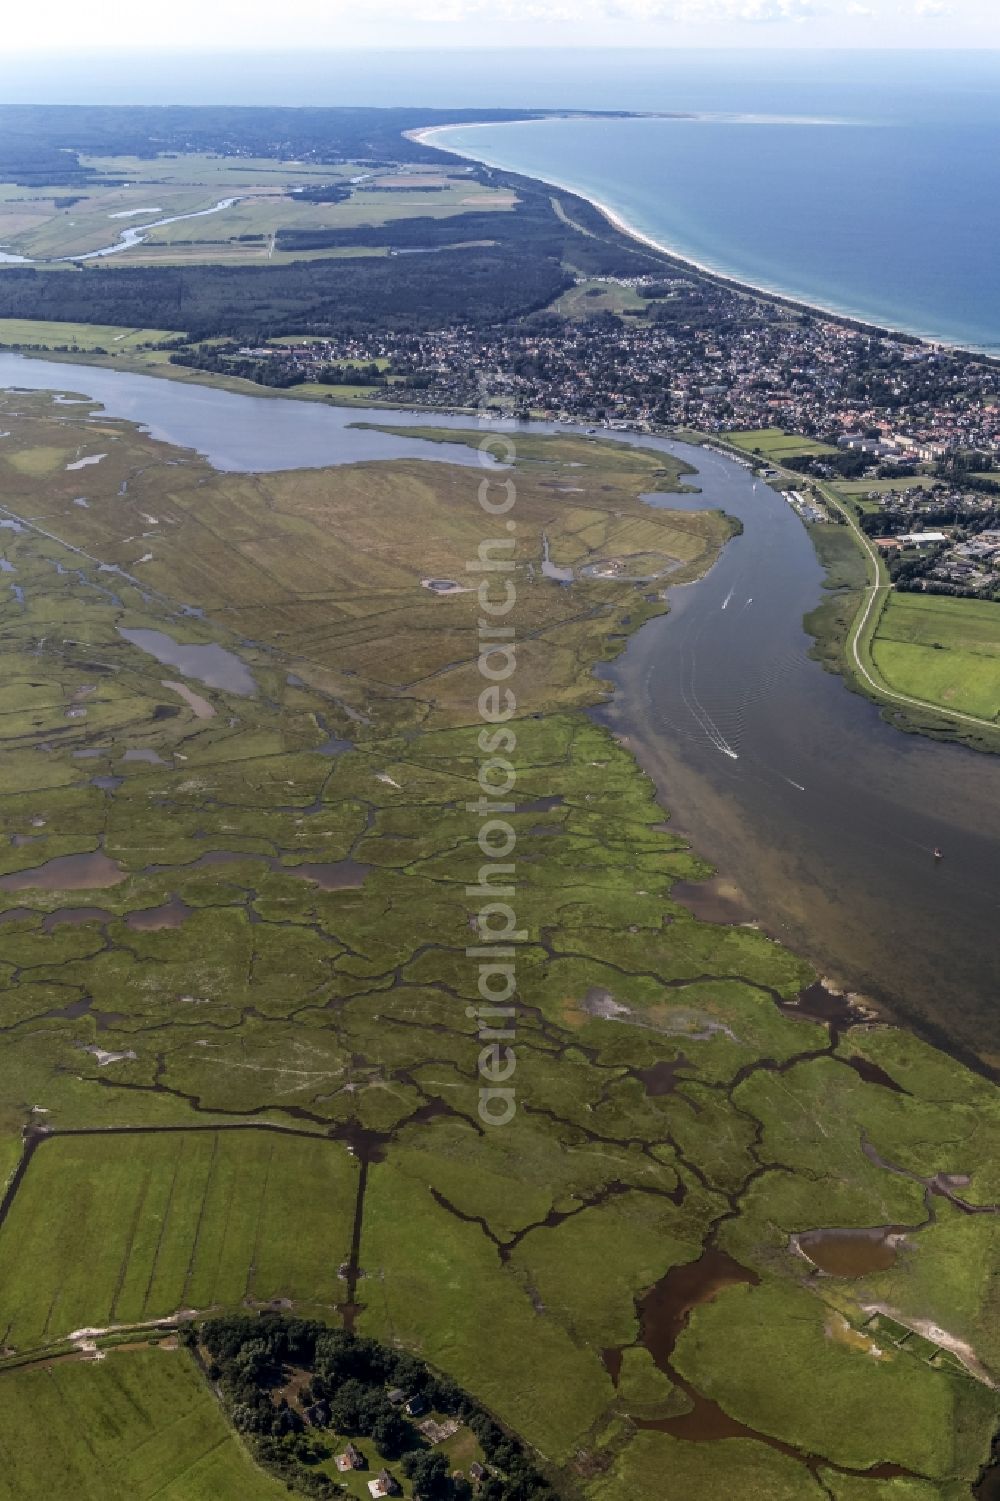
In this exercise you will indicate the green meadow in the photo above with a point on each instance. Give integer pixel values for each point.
(774, 443)
(138, 1424)
(29, 333)
(172, 1221)
(942, 649)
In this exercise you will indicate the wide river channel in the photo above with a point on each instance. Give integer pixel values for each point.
(821, 819)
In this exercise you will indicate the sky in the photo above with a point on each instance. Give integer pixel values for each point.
(258, 25)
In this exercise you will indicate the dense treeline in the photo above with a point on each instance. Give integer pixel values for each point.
(347, 1394)
(599, 251)
(324, 192)
(421, 232)
(31, 163)
(532, 223)
(478, 286)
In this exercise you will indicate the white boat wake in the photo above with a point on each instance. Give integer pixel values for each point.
(698, 711)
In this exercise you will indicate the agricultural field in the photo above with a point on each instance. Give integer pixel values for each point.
(138, 1424)
(942, 649)
(224, 210)
(160, 1222)
(239, 739)
(775, 444)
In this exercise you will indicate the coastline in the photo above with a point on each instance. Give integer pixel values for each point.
(685, 258)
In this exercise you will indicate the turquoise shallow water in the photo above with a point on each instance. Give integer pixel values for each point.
(883, 203)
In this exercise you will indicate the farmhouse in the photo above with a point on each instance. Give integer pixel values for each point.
(384, 1485)
(351, 1459)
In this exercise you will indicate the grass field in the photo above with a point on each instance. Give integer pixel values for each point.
(859, 489)
(136, 1425)
(942, 649)
(595, 296)
(158, 1223)
(774, 443)
(35, 333)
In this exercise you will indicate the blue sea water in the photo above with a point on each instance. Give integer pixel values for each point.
(868, 182)
(881, 202)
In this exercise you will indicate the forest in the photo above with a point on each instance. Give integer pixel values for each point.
(510, 265)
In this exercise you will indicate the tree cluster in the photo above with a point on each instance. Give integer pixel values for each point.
(350, 1377)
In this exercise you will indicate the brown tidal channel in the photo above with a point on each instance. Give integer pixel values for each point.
(665, 1309)
(663, 1314)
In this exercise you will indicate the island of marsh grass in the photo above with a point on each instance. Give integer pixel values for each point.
(816, 1384)
(293, 559)
(245, 928)
(844, 591)
(137, 1424)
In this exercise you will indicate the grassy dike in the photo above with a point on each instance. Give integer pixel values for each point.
(235, 1015)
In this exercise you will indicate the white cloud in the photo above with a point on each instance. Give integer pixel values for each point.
(252, 25)
(678, 12)
(700, 12)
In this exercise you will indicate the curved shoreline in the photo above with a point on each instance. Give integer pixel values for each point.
(729, 278)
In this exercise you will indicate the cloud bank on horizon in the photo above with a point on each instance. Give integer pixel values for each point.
(340, 24)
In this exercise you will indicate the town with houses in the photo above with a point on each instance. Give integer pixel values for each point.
(875, 406)
(879, 396)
